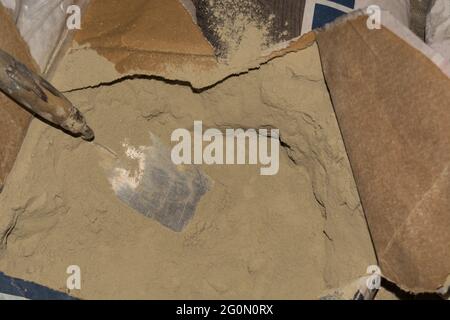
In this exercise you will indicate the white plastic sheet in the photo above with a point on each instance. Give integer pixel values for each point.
(42, 24)
(400, 9)
(438, 27)
(10, 4)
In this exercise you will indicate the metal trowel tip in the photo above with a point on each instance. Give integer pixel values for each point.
(88, 134)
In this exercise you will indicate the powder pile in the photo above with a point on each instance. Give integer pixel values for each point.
(292, 235)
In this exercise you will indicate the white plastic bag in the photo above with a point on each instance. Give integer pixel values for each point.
(42, 24)
(400, 9)
(438, 27)
(10, 4)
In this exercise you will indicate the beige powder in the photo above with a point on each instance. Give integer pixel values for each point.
(292, 235)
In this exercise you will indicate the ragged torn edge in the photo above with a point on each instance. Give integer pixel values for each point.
(275, 51)
(279, 50)
(400, 30)
(219, 73)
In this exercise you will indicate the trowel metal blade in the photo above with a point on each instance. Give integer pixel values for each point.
(164, 192)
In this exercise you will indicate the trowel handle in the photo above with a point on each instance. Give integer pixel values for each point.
(40, 97)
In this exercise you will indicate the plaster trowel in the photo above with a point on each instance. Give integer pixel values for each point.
(162, 190)
(156, 187)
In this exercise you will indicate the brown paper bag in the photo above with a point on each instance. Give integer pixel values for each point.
(14, 120)
(393, 107)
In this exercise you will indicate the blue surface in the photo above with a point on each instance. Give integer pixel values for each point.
(324, 14)
(29, 290)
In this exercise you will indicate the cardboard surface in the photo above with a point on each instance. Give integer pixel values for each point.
(14, 120)
(392, 104)
(142, 34)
